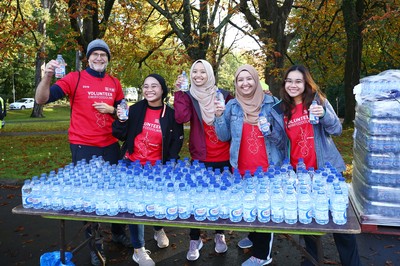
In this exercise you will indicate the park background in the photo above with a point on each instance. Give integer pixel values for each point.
(340, 41)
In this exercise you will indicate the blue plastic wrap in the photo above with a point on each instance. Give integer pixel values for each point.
(374, 192)
(54, 259)
(377, 177)
(377, 144)
(387, 160)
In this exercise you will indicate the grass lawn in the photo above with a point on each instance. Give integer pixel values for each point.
(24, 156)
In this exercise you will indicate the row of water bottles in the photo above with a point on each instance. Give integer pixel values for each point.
(184, 189)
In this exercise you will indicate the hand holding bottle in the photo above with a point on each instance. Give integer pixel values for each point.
(122, 111)
(316, 111)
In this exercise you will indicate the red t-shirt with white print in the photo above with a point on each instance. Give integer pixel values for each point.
(252, 151)
(301, 135)
(88, 126)
(148, 144)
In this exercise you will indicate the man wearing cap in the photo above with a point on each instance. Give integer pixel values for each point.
(93, 96)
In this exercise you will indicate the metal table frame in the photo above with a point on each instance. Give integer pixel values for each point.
(351, 227)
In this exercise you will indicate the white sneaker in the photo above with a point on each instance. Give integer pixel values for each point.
(161, 238)
(141, 257)
(220, 244)
(195, 246)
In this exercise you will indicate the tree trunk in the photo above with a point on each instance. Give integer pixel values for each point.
(353, 11)
(37, 110)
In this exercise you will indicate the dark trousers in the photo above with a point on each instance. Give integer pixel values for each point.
(346, 245)
(110, 154)
(194, 232)
(262, 245)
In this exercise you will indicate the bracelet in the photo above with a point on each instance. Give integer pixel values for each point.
(114, 111)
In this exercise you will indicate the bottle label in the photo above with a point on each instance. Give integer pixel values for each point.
(200, 211)
(172, 211)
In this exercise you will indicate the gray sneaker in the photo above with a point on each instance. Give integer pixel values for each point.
(245, 243)
(141, 257)
(220, 244)
(195, 246)
(161, 238)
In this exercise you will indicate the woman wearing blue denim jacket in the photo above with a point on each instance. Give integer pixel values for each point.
(250, 148)
(312, 142)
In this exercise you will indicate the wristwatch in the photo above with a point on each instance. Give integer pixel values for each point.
(115, 111)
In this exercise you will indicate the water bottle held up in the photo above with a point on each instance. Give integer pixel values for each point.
(220, 98)
(263, 124)
(125, 110)
(60, 71)
(313, 118)
(185, 82)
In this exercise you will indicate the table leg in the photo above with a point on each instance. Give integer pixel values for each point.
(62, 241)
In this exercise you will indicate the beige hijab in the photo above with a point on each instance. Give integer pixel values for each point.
(205, 94)
(251, 103)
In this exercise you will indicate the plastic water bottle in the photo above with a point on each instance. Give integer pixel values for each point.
(290, 206)
(131, 196)
(60, 70)
(36, 194)
(56, 202)
(111, 198)
(124, 110)
(235, 206)
(339, 210)
(140, 204)
(122, 200)
(321, 209)
(304, 207)
(26, 194)
(148, 200)
(263, 206)
(313, 118)
(171, 212)
(300, 165)
(159, 203)
(67, 196)
(264, 125)
(249, 205)
(224, 203)
(185, 82)
(277, 212)
(199, 204)
(184, 202)
(46, 195)
(220, 98)
(77, 202)
(101, 205)
(88, 198)
(212, 202)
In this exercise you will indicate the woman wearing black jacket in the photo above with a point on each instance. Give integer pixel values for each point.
(150, 134)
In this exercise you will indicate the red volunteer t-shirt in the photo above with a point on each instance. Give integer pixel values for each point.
(217, 151)
(148, 144)
(88, 126)
(252, 151)
(301, 135)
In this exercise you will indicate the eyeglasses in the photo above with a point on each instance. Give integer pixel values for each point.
(296, 81)
(102, 55)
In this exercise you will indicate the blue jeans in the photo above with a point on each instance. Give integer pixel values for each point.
(137, 234)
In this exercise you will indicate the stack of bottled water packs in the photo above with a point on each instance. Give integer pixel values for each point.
(182, 190)
(376, 173)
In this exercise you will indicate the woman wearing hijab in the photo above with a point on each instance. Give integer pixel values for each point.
(197, 106)
(237, 122)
